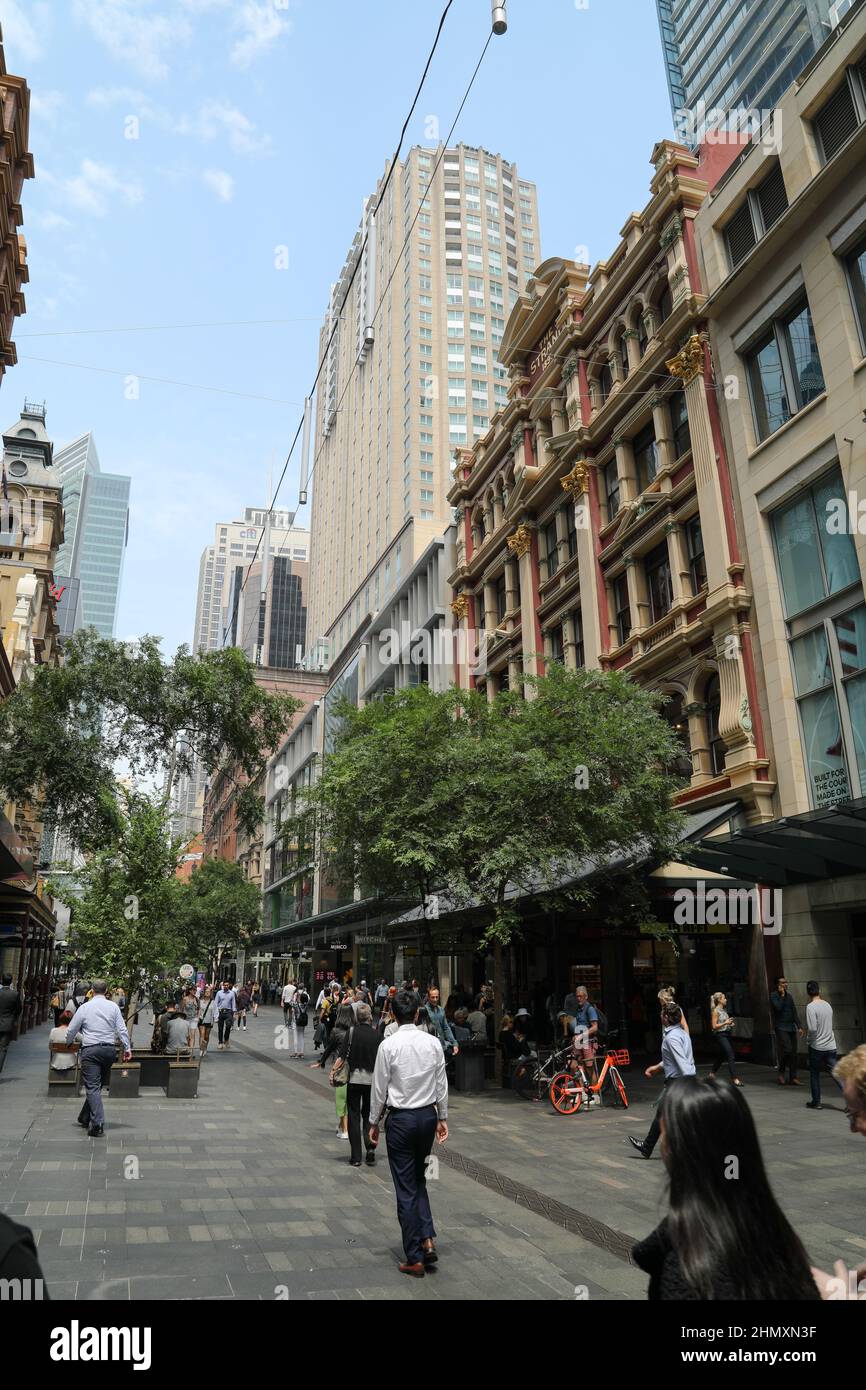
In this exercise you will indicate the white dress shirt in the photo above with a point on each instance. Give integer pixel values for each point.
(409, 1073)
(98, 1021)
(289, 992)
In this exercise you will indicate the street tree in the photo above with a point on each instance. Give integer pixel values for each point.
(487, 801)
(219, 911)
(65, 730)
(126, 920)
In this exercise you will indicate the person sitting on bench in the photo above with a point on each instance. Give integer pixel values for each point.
(61, 1061)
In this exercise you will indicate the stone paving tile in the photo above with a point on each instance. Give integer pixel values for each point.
(257, 1203)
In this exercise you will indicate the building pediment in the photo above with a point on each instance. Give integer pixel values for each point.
(636, 514)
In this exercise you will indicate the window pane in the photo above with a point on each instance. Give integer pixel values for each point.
(822, 738)
(811, 659)
(804, 356)
(799, 560)
(856, 692)
(857, 270)
(851, 636)
(768, 388)
(840, 557)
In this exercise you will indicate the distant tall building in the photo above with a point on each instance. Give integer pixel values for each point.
(732, 54)
(96, 507)
(230, 612)
(397, 396)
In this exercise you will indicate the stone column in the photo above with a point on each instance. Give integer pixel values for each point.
(576, 484)
(542, 435)
(680, 577)
(638, 595)
(520, 545)
(625, 467)
(688, 365)
(571, 380)
(662, 431)
(558, 416)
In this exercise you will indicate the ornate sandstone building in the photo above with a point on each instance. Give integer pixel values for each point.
(596, 527)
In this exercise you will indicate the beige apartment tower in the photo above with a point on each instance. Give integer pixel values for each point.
(411, 372)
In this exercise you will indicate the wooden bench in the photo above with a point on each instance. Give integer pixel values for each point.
(63, 1082)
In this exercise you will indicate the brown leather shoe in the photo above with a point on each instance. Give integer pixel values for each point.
(417, 1270)
(430, 1257)
(795, 1082)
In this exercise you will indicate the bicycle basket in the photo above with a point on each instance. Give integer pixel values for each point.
(620, 1057)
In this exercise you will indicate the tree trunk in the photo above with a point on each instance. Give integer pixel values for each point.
(498, 983)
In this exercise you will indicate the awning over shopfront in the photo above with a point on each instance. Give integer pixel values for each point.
(804, 848)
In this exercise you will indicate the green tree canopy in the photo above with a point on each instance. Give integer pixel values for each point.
(219, 910)
(64, 730)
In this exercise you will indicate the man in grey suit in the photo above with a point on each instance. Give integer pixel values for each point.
(10, 1012)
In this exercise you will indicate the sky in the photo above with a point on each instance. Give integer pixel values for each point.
(204, 162)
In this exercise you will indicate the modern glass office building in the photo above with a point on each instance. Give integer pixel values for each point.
(734, 54)
(96, 511)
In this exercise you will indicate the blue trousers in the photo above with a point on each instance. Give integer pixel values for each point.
(410, 1135)
(96, 1065)
(818, 1062)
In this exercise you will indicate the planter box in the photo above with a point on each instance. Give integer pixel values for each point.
(125, 1080)
(469, 1068)
(154, 1067)
(182, 1081)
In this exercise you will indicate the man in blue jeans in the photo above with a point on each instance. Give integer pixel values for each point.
(409, 1082)
(100, 1023)
(822, 1042)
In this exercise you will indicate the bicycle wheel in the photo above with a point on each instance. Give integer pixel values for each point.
(566, 1094)
(617, 1089)
(525, 1079)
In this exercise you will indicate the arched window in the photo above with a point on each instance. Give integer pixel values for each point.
(622, 347)
(664, 304)
(713, 702)
(605, 382)
(641, 334)
(673, 712)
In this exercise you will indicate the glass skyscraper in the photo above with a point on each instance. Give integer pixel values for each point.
(734, 54)
(96, 511)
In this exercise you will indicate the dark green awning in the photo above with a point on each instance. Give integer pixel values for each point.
(805, 848)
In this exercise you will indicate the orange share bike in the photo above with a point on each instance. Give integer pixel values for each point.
(571, 1091)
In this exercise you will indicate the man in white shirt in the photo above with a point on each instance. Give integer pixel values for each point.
(100, 1022)
(225, 1007)
(822, 1042)
(409, 1081)
(286, 998)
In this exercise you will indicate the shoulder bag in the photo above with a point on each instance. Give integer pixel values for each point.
(339, 1073)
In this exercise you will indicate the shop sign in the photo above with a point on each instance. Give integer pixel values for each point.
(831, 787)
(542, 353)
(371, 941)
(337, 946)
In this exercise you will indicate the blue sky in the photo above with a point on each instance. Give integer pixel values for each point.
(263, 124)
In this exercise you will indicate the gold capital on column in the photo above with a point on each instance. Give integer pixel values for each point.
(689, 361)
(460, 607)
(576, 482)
(520, 542)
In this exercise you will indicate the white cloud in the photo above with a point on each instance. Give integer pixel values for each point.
(212, 119)
(221, 183)
(47, 221)
(93, 188)
(44, 106)
(134, 33)
(261, 25)
(215, 117)
(23, 33)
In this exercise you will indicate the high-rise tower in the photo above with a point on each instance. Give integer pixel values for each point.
(410, 372)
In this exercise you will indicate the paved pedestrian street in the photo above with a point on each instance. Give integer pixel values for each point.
(246, 1192)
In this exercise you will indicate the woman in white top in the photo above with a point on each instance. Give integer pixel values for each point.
(61, 1061)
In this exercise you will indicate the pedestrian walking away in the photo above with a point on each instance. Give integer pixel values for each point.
(722, 1025)
(300, 1017)
(206, 1011)
(335, 1048)
(10, 1012)
(720, 1239)
(360, 1053)
(243, 998)
(823, 1055)
(99, 1022)
(677, 1061)
(225, 1005)
(410, 1094)
(288, 993)
(255, 996)
(788, 1028)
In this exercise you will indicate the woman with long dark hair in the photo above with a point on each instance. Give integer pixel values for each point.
(725, 1236)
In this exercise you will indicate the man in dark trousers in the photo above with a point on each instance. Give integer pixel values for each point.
(10, 1012)
(100, 1023)
(409, 1082)
(786, 1021)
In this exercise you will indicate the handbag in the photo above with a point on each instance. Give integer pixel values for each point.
(339, 1073)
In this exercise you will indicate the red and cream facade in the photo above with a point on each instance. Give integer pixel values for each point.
(595, 519)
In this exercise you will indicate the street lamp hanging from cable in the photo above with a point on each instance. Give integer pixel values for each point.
(500, 19)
